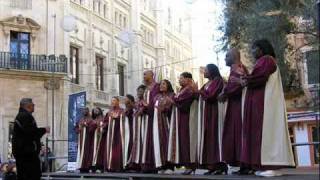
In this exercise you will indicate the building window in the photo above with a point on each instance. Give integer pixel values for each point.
(146, 63)
(74, 64)
(124, 22)
(20, 50)
(116, 49)
(151, 6)
(105, 10)
(180, 25)
(152, 38)
(144, 35)
(144, 5)
(312, 58)
(169, 16)
(121, 79)
(120, 20)
(94, 6)
(99, 7)
(23, 4)
(116, 17)
(168, 48)
(147, 36)
(315, 91)
(99, 73)
(314, 150)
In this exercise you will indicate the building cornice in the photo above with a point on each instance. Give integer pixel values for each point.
(124, 3)
(176, 38)
(148, 20)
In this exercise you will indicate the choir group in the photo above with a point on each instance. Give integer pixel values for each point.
(241, 122)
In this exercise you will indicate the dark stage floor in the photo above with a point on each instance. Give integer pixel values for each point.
(288, 174)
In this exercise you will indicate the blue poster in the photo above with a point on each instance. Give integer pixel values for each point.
(76, 103)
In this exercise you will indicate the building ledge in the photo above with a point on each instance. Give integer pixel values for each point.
(27, 74)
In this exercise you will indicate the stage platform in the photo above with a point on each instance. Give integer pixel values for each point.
(288, 174)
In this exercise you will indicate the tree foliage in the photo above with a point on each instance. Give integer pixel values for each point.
(275, 20)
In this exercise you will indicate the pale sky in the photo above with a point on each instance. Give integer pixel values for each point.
(207, 17)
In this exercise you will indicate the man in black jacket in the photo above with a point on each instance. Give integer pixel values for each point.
(26, 142)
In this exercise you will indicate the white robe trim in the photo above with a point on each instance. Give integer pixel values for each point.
(222, 109)
(81, 150)
(193, 131)
(96, 146)
(275, 147)
(125, 137)
(173, 143)
(137, 135)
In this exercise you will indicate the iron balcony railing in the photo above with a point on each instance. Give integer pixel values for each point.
(31, 62)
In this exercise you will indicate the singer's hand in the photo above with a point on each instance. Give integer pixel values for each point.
(222, 97)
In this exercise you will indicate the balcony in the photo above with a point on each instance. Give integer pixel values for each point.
(30, 62)
(75, 88)
(100, 97)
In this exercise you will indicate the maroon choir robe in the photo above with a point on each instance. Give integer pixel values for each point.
(140, 117)
(209, 152)
(182, 147)
(148, 163)
(162, 115)
(232, 130)
(266, 143)
(101, 141)
(117, 141)
(86, 130)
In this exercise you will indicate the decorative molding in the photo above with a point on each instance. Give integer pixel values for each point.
(126, 4)
(102, 30)
(21, 4)
(148, 20)
(20, 23)
(51, 84)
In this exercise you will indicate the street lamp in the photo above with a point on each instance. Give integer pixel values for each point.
(51, 62)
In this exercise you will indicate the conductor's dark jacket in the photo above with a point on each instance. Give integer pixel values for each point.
(26, 135)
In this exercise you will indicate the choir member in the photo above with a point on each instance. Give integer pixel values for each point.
(209, 152)
(265, 142)
(233, 94)
(129, 113)
(140, 116)
(86, 129)
(182, 148)
(117, 138)
(100, 138)
(153, 88)
(162, 115)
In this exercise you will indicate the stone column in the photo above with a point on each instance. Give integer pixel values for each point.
(135, 75)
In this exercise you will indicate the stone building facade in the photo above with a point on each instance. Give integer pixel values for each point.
(89, 58)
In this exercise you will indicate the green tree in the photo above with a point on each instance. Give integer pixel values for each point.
(275, 20)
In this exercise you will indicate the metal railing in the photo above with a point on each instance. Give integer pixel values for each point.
(54, 157)
(305, 144)
(32, 62)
